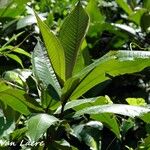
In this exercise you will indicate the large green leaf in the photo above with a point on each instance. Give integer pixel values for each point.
(38, 124)
(71, 36)
(54, 49)
(122, 109)
(43, 70)
(82, 103)
(112, 64)
(17, 99)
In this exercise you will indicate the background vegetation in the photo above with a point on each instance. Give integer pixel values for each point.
(74, 75)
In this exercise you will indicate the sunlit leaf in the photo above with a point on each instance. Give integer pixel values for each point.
(71, 36)
(54, 49)
(40, 123)
(122, 109)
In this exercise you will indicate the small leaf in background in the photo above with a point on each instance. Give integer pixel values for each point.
(15, 58)
(96, 18)
(136, 101)
(124, 5)
(145, 22)
(38, 124)
(146, 4)
(145, 144)
(7, 126)
(127, 125)
(136, 16)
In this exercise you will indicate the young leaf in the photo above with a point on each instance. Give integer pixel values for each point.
(40, 123)
(112, 64)
(71, 36)
(54, 49)
(122, 109)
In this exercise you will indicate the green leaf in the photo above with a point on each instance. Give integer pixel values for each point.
(12, 39)
(146, 117)
(17, 99)
(16, 58)
(127, 125)
(12, 9)
(145, 145)
(112, 64)
(40, 123)
(124, 6)
(72, 34)
(82, 103)
(136, 16)
(18, 134)
(54, 49)
(136, 101)
(96, 18)
(145, 21)
(43, 70)
(110, 121)
(7, 122)
(90, 133)
(146, 4)
(121, 109)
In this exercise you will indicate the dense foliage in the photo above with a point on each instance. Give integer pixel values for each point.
(74, 75)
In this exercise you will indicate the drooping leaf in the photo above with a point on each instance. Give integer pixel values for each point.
(112, 64)
(54, 49)
(71, 36)
(122, 109)
(16, 58)
(43, 70)
(110, 121)
(38, 124)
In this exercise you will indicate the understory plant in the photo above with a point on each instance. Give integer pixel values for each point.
(60, 115)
